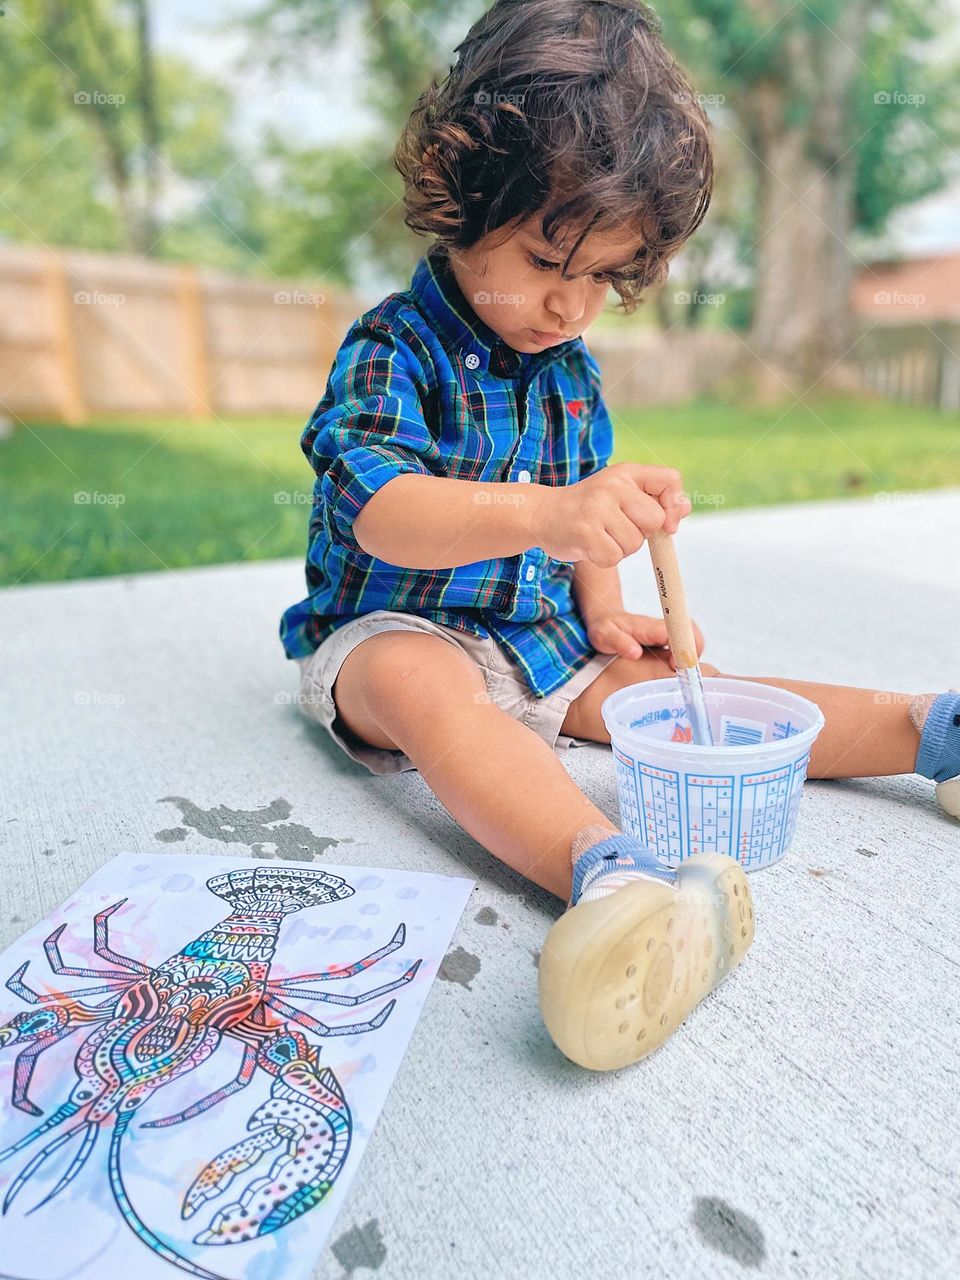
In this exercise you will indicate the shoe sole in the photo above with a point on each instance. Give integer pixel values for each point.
(948, 796)
(617, 976)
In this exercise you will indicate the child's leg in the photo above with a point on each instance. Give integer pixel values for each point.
(495, 776)
(621, 970)
(867, 732)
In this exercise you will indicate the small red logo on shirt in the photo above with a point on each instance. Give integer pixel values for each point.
(575, 407)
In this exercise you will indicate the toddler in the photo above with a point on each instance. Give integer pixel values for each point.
(464, 615)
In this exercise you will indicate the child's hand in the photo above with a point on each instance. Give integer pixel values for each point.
(627, 634)
(610, 514)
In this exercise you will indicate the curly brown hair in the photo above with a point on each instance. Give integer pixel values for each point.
(572, 107)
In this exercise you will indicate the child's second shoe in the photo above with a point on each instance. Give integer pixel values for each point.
(618, 973)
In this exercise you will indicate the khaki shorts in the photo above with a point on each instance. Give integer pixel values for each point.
(505, 685)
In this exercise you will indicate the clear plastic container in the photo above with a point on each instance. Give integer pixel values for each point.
(739, 798)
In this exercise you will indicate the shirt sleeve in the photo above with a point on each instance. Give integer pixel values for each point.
(368, 428)
(596, 433)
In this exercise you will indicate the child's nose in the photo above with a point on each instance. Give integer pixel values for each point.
(567, 301)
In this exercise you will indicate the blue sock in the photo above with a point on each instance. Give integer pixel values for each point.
(939, 753)
(614, 856)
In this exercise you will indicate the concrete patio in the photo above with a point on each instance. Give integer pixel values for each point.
(804, 1122)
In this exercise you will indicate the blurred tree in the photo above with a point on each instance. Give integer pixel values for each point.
(820, 133)
(847, 114)
(106, 145)
(334, 208)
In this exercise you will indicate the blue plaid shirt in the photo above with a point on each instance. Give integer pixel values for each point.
(421, 384)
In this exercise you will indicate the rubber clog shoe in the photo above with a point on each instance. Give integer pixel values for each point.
(619, 974)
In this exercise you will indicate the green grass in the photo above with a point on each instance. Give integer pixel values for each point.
(206, 494)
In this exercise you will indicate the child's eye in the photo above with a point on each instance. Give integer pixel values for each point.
(599, 277)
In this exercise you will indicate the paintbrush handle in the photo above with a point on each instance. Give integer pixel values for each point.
(683, 646)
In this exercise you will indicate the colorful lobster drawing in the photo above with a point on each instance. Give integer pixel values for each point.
(159, 1024)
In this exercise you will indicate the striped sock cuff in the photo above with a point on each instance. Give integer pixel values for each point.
(617, 853)
(939, 753)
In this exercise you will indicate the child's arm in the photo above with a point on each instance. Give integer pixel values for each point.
(595, 589)
(382, 488)
(435, 522)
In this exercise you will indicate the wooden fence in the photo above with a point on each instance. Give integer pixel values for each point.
(86, 335)
(916, 363)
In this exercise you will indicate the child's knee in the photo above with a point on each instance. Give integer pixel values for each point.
(410, 670)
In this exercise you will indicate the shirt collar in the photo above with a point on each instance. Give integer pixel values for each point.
(435, 289)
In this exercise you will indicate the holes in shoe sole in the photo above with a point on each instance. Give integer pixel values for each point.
(641, 1034)
(623, 1027)
(670, 923)
(664, 1019)
(651, 943)
(707, 947)
(632, 968)
(621, 1001)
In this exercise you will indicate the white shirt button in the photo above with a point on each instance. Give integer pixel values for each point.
(524, 477)
(531, 572)
(472, 361)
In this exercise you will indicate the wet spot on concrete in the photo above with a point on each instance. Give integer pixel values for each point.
(262, 830)
(68, 842)
(47, 852)
(867, 853)
(727, 1230)
(360, 1247)
(459, 966)
(171, 835)
(486, 915)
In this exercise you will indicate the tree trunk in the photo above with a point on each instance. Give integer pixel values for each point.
(802, 322)
(797, 123)
(149, 125)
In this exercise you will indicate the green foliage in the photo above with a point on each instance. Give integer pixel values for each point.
(902, 149)
(175, 494)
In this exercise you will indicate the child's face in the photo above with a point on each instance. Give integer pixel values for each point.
(508, 280)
